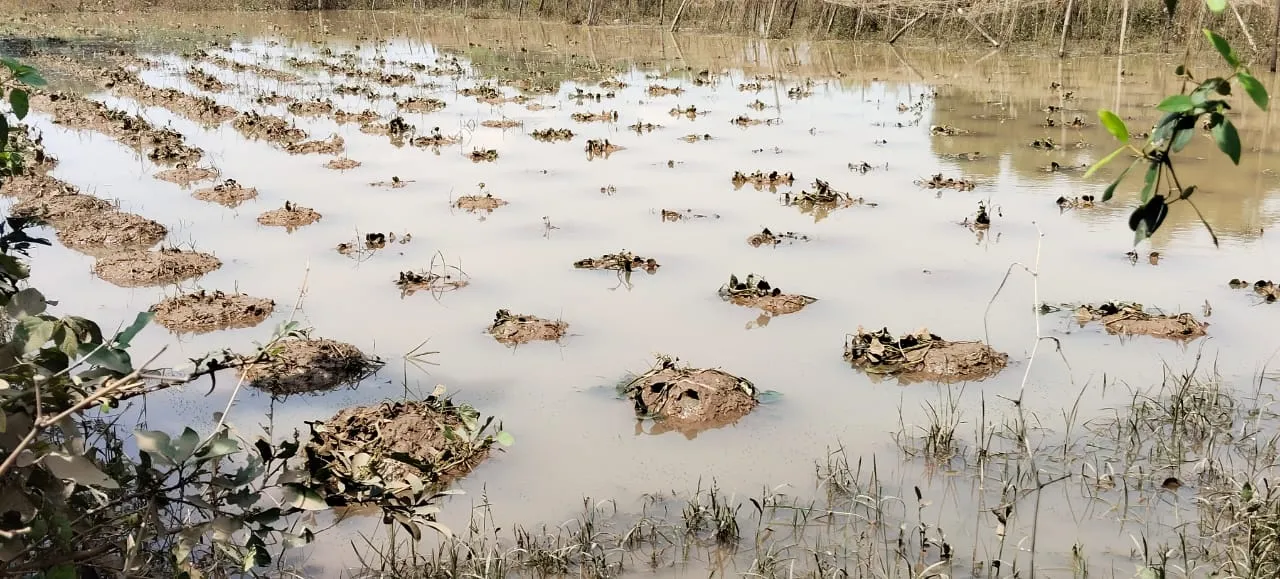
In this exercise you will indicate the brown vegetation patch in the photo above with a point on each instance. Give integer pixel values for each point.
(342, 164)
(690, 112)
(642, 127)
(552, 135)
(1130, 319)
(745, 121)
(152, 268)
(228, 193)
(290, 216)
(436, 281)
(395, 128)
(761, 179)
(184, 176)
(600, 117)
(202, 311)
(297, 365)
(435, 140)
(420, 104)
(110, 230)
(621, 261)
(205, 81)
(481, 92)
(273, 99)
(200, 108)
(512, 329)
(473, 203)
(771, 239)
(331, 146)
(501, 123)
(673, 215)
(268, 128)
(757, 293)
(823, 200)
(311, 108)
(922, 356)
(689, 400)
(937, 182)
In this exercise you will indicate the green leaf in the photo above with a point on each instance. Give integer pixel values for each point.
(1246, 492)
(1219, 43)
(154, 443)
(18, 100)
(64, 571)
(33, 333)
(1114, 125)
(1182, 138)
(28, 302)
(1178, 103)
(1216, 5)
(107, 357)
(220, 445)
(1257, 91)
(126, 336)
(1149, 182)
(1111, 189)
(1228, 140)
(504, 438)
(78, 469)
(1146, 219)
(185, 445)
(1110, 157)
(300, 497)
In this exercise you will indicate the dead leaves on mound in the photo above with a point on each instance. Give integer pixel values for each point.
(513, 329)
(689, 400)
(228, 193)
(757, 293)
(1131, 319)
(290, 217)
(921, 356)
(303, 364)
(202, 311)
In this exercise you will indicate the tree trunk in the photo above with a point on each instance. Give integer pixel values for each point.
(1275, 38)
(1066, 23)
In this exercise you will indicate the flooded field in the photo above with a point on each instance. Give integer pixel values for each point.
(531, 214)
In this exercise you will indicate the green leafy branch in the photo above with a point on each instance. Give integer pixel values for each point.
(1204, 104)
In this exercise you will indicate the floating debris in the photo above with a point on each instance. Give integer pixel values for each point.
(435, 140)
(937, 182)
(921, 356)
(600, 117)
(474, 203)
(689, 400)
(745, 121)
(1045, 144)
(601, 148)
(771, 239)
(948, 131)
(690, 112)
(478, 155)
(621, 261)
(395, 183)
(512, 329)
(656, 90)
(411, 282)
(363, 117)
(758, 105)
(974, 156)
(823, 200)
(1131, 319)
(396, 128)
(342, 164)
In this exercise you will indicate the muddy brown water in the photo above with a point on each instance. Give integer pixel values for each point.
(905, 262)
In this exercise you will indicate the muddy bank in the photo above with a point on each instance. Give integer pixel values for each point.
(921, 357)
(204, 311)
(54, 209)
(513, 329)
(152, 268)
(298, 365)
(689, 400)
(1131, 319)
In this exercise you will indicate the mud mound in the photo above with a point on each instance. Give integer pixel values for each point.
(331, 146)
(1130, 319)
(203, 311)
(268, 128)
(922, 356)
(32, 186)
(938, 182)
(657, 90)
(290, 216)
(601, 148)
(420, 105)
(435, 139)
(482, 155)
(473, 203)
(205, 81)
(437, 282)
(822, 200)
(55, 209)
(394, 443)
(311, 108)
(552, 135)
(200, 108)
(512, 329)
(152, 268)
(760, 179)
(689, 400)
(273, 99)
(298, 365)
(184, 176)
(948, 131)
(600, 117)
(771, 239)
(501, 123)
(342, 164)
(110, 230)
(362, 117)
(621, 261)
(228, 193)
(757, 293)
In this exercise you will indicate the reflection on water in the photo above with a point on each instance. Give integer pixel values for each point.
(858, 118)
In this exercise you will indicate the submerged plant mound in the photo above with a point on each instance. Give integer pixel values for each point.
(304, 364)
(229, 193)
(659, 90)
(184, 176)
(761, 179)
(420, 105)
(110, 230)
(311, 108)
(291, 216)
(552, 135)
(689, 400)
(690, 112)
(822, 200)
(342, 164)
(501, 123)
(1131, 319)
(512, 329)
(202, 311)
(396, 127)
(152, 268)
(480, 155)
(755, 292)
(772, 239)
(938, 182)
(922, 356)
(1266, 289)
(366, 452)
(331, 146)
(600, 117)
(268, 128)
(449, 279)
(55, 209)
(621, 261)
(601, 148)
(362, 117)
(948, 131)
(1081, 202)
(435, 139)
(473, 203)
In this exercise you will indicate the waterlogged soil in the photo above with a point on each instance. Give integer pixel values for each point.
(1130, 319)
(473, 203)
(208, 311)
(152, 268)
(875, 246)
(308, 365)
(689, 400)
(291, 216)
(922, 356)
(513, 329)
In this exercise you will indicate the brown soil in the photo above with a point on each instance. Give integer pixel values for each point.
(420, 105)
(152, 268)
(290, 216)
(411, 282)
(331, 146)
(473, 203)
(757, 293)
(111, 230)
(552, 135)
(228, 193)
(363, 117)
(298, 365)
(771, 239)
(200, 108)
(922, 357)
(259, 70)
(390, 443)
(622, 261)
(641, 128)
(268, 128)
(657, 90)
(600, 117)
(158, 144)
(342, 164)
(760, 179)
(311, 108)
(1130, 319)
(501, 123)
(203, 311)
(273, 99)
(694, 137)
(435, 139)
(205, 81)
(512, 329)
(185, 176)
(689, 400)
(56, 209)
(745, 121)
